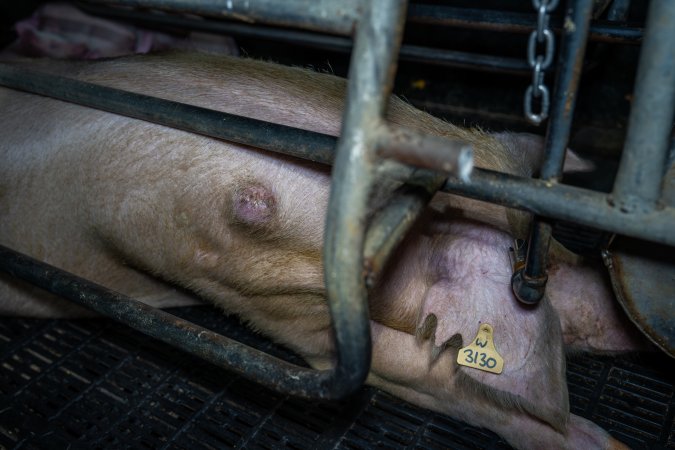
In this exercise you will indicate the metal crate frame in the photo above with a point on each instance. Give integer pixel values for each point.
(352, 257)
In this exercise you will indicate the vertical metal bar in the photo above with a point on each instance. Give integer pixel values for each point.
(638, 181)
(371, 77)
(529, 283)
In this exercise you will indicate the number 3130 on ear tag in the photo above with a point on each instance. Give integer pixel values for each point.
(481, 353)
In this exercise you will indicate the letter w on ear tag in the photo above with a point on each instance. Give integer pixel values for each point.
(481, 353)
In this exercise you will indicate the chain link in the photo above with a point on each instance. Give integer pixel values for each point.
(541, 38)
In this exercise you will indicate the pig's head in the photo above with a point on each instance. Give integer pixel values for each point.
(450, 277)
(455, 277)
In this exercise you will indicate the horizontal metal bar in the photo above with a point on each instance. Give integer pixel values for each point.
(328, 16)
(464, 60)
(213, 347)
(484, 19)
(412, 53)
(269, 136)
(339, 17)
(638, 180)
(567, 203)
(453, 157)
(260, 134)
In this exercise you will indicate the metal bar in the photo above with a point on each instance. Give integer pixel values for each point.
(463, 60)
(389, 226)
(269, 136)
(213, 347)
(568, 203)
(339, 17)
(327, 16)
(529, 283)
(558, 201)
(638, 180)
(413, 53)
(492, 20)
(257, 133)
(371, 76)
(454, 157)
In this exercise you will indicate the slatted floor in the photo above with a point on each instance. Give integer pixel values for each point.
(97, 384)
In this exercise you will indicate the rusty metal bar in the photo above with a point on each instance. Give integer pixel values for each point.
(242, 130)
(371, 77)
(555, 201)
(373, 68)
(638, 181)
(213, 347)
(411, 147)
(345, 19)
(414, 53)
(389, 226)
(529, 283)
(567, 203)
(328, 16)
(493, 20)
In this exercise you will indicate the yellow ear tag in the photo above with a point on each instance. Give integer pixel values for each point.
(481, 353)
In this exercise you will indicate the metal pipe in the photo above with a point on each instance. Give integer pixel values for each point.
(335, 17)
(269, 136)
(213, 347)
(413, 53)
(257, 133)
(454, 157)
(638, 181)
(529, 283)
(492, 20)
(327, 16)
(389, 226)
(371, 77)
(556, 201)
(568, 203)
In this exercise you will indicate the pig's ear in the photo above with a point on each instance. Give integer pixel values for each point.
(530, 147)
(574, 163)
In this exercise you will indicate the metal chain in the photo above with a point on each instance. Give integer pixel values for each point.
(540, 38)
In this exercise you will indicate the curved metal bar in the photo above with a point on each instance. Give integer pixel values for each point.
(224, 352)
(373, 67)
(371, 77)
